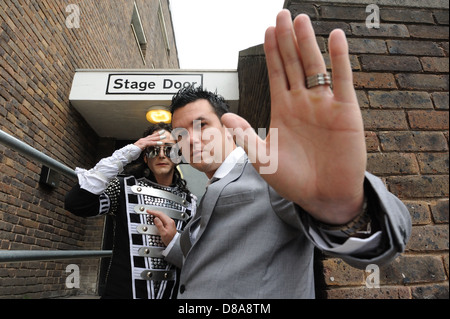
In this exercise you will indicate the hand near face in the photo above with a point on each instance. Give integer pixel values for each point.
(152, 140)
(321, 146)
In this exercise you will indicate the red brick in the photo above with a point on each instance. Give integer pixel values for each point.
(384, 292)
(433, 163)
(441, 101)
(434, 291)
(374, 46)
(435, 64)
(400, 100)
(325, 27)
(344, 13)
(389, 63)
(412, 81)
(428, 32)
(385, 30)
(419, 211)
(397, 141)
(439, 211)
(306, 8)
(412, 270)
(382, 164)
(338, 273)
(374, 80)
(428, 120)
(429, 238)
(414, 47)
(441, 16)
(384, 119)
(430, 186)
(407, 15)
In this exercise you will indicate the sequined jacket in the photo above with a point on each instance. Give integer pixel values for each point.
(137, 268)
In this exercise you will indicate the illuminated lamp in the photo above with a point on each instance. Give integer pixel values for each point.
(158, 114)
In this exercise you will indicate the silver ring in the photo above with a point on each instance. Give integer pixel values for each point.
(318, 79)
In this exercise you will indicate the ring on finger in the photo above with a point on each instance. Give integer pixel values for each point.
(318, 79)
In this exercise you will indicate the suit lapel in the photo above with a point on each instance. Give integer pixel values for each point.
(211, 196)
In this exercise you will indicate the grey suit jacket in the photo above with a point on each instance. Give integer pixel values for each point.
(252, 243)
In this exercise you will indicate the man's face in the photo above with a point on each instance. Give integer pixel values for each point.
(161, 164)
(207, 136)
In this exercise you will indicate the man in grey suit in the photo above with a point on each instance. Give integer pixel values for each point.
(254, 233)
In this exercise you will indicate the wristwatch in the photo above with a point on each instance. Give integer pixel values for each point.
(360, 226)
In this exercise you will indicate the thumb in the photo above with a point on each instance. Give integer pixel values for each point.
(261, 149)
(245, 136)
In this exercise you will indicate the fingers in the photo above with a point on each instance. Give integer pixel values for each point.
(151, 140)
(165, 224)
(165, 221)
(245, 136)
(292, 54)
(342, 71)
(289, 51)
(277, 78)
(312, 59)
(158, 223)
(156, 137)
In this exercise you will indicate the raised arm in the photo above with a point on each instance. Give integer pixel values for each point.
(89, 196)
(321, 148)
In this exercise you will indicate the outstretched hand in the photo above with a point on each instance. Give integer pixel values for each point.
(321, 148)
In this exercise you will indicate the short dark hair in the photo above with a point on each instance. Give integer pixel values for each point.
(191, 94)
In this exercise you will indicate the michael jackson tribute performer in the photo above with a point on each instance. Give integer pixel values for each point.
(149, 180)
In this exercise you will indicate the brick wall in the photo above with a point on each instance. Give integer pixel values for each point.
(38, 56)
(401, 76)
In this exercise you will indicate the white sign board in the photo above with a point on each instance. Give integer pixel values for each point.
(151, 83)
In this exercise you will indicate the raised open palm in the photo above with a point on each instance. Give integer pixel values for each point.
(321, 150)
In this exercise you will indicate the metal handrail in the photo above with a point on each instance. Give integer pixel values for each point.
(8, 256)
(32, 153)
